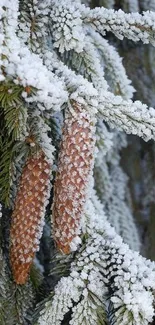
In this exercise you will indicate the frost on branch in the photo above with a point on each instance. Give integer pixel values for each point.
(13, 311)
(132, 117)
(26, 68)
(42, 139)
(111, 185)
(114, 70)
(133, 26)
(66, 25)
(34, 23)
(88, 64)
(104, 270)
(120, 214)
(79, 89)
(118, 211)
(53, 55)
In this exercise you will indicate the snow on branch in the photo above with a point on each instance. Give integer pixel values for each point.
(79, 89)
(88, 64)
(134, 26)
(114, 70)
(103, 265)
(33, 23)
(132, 117)
(25, 68)
(28, 70)
(67, 29)
(111, 184)
(69, 21)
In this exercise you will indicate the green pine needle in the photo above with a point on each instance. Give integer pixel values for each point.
(13, 116)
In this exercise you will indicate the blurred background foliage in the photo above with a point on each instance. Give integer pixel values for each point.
(138, 159)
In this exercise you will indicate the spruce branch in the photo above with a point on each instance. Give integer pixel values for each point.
(67, 30)
(40, 85)
(114, 70)
(134, 26)
(78, 88)
(13, 130)
(111, 185)
(132, 117)
(33, 24)
(90, 310)
(15, 302)
(13, 110)
(88, 64)
(103, 267)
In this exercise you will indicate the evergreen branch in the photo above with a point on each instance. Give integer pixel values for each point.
(36, 276)
(78, 88)
(45, 303)
(112, 185)
(13, 129)
(115, 73)
(88, 64)
(134, 26)
(41, 140)
(13, 111)
(132, 117)
(14, 301)
(89, 308)
(66, 26)
(34, 19)
(105, 266)
(6, 167)
(60, 265)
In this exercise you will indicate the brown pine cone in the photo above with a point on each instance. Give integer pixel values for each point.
(28, 215)
(74, 173)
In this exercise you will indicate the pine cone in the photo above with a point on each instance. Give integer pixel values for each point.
(74, 171)
(28, 215)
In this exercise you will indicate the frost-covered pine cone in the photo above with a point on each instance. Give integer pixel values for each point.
(73, 177)
(28, 215)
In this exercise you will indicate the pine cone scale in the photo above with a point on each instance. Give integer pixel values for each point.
(27, 217)
(74, 169)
